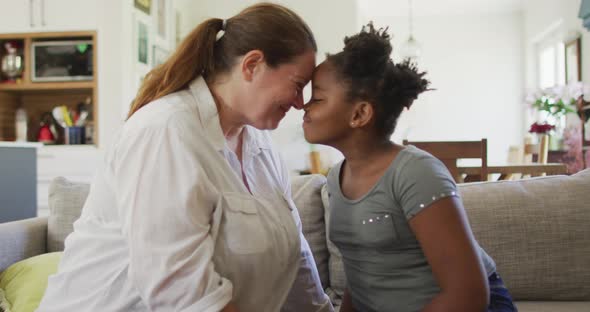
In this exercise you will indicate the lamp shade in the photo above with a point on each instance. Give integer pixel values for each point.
(411, 49)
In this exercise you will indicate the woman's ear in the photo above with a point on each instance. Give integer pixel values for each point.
(251, 64)
(362, 114)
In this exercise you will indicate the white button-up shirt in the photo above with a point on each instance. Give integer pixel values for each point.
(170, 226)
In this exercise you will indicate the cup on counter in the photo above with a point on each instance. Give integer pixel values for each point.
(75, 135)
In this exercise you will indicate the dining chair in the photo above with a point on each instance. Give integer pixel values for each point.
(450, 151)
(531, 150)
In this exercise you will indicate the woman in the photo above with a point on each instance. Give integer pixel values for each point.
(192, 210)
(396, 216)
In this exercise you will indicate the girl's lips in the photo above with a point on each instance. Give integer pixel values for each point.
(306, 119)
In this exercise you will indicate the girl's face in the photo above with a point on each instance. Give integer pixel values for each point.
(328, 113)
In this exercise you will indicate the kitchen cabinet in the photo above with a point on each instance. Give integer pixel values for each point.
(47, 15)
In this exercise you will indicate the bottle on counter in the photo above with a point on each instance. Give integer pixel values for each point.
(21, 125)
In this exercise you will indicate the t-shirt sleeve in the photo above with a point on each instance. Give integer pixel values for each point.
(421, 181)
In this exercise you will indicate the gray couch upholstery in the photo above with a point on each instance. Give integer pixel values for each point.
(537, 231)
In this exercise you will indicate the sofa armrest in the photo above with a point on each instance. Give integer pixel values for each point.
(22, 239)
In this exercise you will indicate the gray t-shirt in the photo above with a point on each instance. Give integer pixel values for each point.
(384, 264)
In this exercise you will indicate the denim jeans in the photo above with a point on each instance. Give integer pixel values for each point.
(500, 299)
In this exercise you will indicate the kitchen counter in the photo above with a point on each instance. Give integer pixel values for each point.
(21, 144)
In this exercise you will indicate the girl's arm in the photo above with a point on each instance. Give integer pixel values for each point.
(448, 244)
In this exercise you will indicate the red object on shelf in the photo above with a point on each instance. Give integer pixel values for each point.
(45, 135)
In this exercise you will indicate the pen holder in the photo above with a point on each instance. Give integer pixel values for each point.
(74, 135)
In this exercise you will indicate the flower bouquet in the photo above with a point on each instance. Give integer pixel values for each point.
(553, 104)
(541, 128)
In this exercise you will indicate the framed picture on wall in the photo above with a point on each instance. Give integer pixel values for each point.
(142, 42)
(573, 61)
(143, 5)
(163, 21)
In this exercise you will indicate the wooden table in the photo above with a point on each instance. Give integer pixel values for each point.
(507, 171)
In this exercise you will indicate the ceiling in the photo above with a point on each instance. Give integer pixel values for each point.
(438, 7)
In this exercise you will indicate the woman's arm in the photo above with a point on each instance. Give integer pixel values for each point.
(448, 244)
(306, 293)
(346, 302)
(165, 201)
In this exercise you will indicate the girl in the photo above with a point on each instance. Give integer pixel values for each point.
(396, 215)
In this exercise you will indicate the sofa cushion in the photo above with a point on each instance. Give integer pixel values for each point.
(336, 266)
(537, 230)
(23, 284)
(65, 205)
(307, 198)
(555, 306)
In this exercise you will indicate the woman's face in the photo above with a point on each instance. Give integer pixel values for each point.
(276, 90)
(327, 114)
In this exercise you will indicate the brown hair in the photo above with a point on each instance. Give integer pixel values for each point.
(370, 74)
(275, 30)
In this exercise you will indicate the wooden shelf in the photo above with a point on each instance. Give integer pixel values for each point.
(47, 86)
(39, 98)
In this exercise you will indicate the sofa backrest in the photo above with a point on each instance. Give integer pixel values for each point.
(538, 232)
(66, 200)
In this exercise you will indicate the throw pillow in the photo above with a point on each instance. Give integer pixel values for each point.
(23, 284)
(306, 195)
(336, 266)
(66, 200)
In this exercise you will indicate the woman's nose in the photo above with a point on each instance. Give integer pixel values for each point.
(298, 103)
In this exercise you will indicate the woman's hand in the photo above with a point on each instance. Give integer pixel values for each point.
(230, 307)
(346, 302)
(448, 244)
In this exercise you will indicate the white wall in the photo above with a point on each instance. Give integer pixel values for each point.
(114, 43)
(539, 15)
(329, 32)
(475, 65)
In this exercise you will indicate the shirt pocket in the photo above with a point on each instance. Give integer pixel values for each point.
(244, 230)
(378, 231)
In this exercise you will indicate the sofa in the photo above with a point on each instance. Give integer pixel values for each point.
(537, 230)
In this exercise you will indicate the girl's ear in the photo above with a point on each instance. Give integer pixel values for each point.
(362, 114)
(251, 64)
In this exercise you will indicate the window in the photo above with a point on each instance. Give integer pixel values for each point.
(550, 58)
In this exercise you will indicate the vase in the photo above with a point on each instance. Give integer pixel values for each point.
(556, 142)
(543, 148)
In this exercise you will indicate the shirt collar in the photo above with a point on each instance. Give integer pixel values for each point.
(254, 139)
